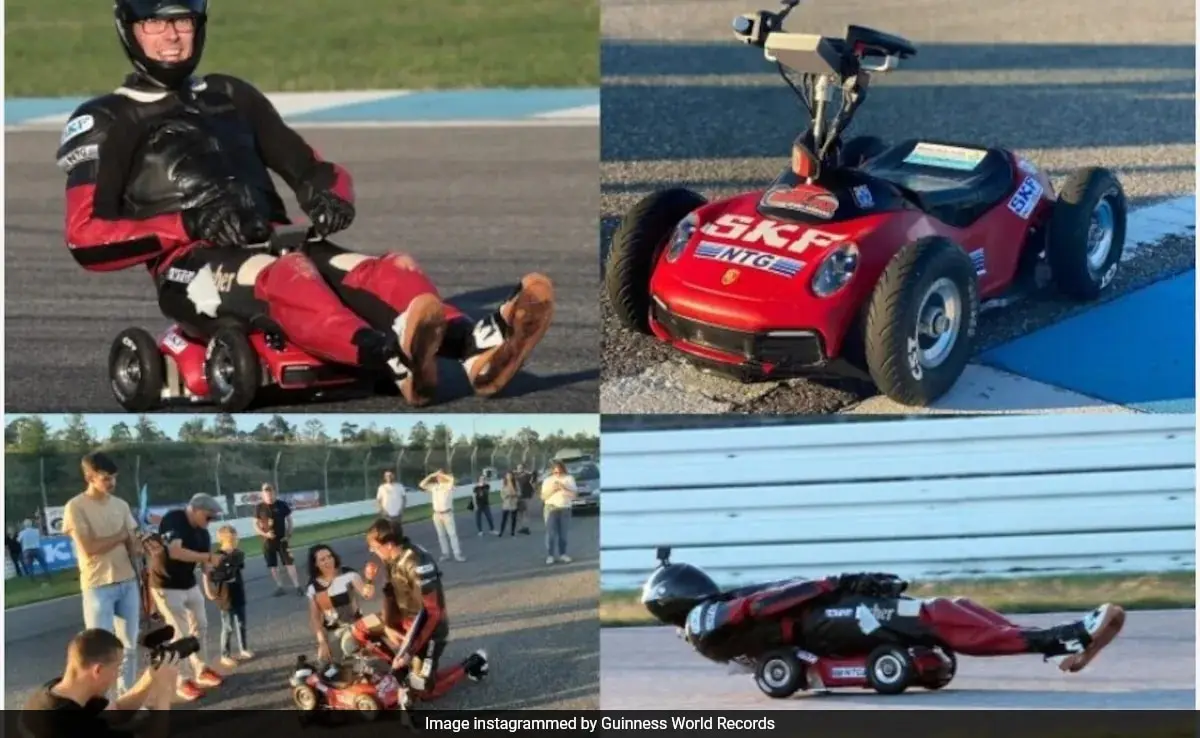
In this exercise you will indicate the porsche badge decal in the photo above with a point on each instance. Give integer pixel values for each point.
(730, 277)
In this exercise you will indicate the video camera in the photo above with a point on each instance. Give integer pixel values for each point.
(159, 644)
(232, 562)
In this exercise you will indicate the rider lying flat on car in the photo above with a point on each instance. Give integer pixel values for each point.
(171, 171)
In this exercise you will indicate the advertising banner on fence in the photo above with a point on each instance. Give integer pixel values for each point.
(59, 553)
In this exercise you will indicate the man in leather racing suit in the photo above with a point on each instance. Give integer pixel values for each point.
(170, 171)
(852, 614)
(414, 613)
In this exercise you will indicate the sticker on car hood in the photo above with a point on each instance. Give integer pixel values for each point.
(749, 258)
(945, 157)
(803, 198)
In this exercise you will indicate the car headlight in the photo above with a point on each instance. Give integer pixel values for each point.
(836, 270)
(681, 236)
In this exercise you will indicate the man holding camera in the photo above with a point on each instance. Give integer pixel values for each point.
(75, 703)
(184, 542)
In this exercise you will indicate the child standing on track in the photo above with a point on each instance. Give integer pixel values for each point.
(229, 592)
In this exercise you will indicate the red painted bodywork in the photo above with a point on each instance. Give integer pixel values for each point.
(384, 689)
(189, 356)
(760, 301)
(852, 672)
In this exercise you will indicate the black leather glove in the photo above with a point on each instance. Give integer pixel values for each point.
(226, 224)
(329, 213)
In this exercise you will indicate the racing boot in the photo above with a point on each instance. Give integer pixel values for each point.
(1074, 645)
(476, 665)
(499, 345)
(419, 331)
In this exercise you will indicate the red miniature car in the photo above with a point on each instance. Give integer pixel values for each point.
(367, 686)
(861, 258)
(226, 365)
(887, 670)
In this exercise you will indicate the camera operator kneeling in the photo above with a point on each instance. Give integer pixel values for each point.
(74, 704)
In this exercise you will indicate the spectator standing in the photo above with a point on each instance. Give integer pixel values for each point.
(183, 542)
(273, 521)
(392, 498)
(14, 550)
(508, 503)
(440, 487)
(524, 480)
(30, 539)
(230, 596)
(558, 492)
(102, 527)
(482, 497)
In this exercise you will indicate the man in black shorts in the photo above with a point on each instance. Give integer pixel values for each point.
(273, 521)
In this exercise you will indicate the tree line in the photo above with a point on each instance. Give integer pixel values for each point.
(32, 435)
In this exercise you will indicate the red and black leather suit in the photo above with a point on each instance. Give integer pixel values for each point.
(176, 178)
(851, 615)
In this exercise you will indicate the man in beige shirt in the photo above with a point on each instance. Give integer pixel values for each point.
(102, 527)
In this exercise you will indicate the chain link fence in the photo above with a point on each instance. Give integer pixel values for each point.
(173, 472)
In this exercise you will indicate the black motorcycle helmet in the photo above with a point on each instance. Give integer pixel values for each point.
(674, 589)
(167, 74)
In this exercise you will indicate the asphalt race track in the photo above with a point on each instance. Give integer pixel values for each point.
(685, 104)
(477, 207)
(1150, 666)
(538, 624)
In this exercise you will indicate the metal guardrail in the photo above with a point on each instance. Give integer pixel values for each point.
(956, 498)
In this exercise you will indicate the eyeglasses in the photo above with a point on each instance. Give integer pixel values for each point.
(155, 26)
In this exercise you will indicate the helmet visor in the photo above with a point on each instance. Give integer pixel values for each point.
(143, 9)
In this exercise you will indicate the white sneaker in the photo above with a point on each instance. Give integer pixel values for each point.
(443, 557)
(460, 557)
(549, 560)
(497, 533)
(565, 559)
(244, 655)
(481, 534)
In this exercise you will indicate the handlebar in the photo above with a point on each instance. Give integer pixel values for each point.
(287, 238)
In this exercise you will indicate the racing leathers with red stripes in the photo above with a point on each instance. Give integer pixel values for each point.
(178, 180)
(855, 613)
(415, 605)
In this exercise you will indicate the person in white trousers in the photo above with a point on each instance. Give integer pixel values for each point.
(440, 487)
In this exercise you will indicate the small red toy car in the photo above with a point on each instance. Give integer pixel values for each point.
(367, 686)
(887, 670)
(861, 259)
(226, 365)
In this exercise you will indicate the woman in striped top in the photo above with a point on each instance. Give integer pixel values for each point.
(334, 594)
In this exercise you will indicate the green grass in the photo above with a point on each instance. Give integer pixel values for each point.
(70, 48)
(24, 591)
(1033, 595)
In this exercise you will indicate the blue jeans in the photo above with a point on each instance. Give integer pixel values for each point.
(557, 520)
(233, 621)
(119, 602)
(481, 512)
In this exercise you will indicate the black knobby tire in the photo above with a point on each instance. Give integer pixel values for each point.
(1068, 247)
(779, 674)
(861, 149)
(232, 368)
(136, 370)
(635, 247)
(889, 670)
(890, 341)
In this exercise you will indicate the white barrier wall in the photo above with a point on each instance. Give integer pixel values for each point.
(928, 499)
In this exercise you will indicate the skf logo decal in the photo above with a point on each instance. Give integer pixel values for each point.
(790, 237)
(76, 126)
(1026, 198)
(730, 277)
(760, 260)
(803, 198)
